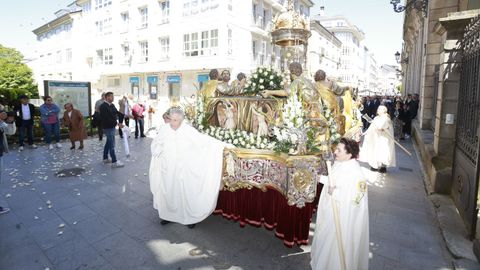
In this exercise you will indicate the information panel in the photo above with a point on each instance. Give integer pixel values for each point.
(77, 93)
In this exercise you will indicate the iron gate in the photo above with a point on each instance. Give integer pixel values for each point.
(466, 157)
(436, 79)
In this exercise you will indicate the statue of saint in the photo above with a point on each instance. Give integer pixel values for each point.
(337, 98)
(225, 89)
(210, 87)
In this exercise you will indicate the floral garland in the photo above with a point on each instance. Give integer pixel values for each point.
(240, 138)
(200, 116)
(264, 78)
(332, 125)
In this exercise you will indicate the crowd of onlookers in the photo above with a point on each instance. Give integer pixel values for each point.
(401, 110)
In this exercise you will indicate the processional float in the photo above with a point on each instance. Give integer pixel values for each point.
(271, 176)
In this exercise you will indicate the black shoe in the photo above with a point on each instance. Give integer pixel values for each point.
(143, 136)
(121, 137)
(191, 226)
(383, 169)
(164, 222)
(73, 147)
(80, 147)
(136, 137)
(373, 169)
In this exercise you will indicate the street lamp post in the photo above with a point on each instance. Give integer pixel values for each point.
(420, 5)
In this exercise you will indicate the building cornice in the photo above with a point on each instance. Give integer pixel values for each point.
(316, 25)
(54, 23)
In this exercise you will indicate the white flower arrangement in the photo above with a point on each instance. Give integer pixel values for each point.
(239, 138)
(264, 79)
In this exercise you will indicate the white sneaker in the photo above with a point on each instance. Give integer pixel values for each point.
(50, 147)
(117, 164)
(59, 145)
(20, 148)
(34, 146)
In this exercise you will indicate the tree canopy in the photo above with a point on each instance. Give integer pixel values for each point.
(16, 78)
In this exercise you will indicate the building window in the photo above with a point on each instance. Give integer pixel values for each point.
(213, 42)
(107, 26)
(164, 47)
(99, 57)
(108, 56)
(143, 51)
(87, 7)
(68, 55)
(255, 13)
(164, 10)
(230, 5)
(204, 43)
(99, 27)
(58, 58)
(113, 82)
(264, 18)
(230, 41)
(143, 17)
(126, 53)
(208, 43)
(102, 3)
(125, 17)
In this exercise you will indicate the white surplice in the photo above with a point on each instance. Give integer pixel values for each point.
(352, 201)
(185, 174)
(378, 148)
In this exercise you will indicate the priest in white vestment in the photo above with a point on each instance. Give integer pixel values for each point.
(351, 197)
(378, 147)
(185, 172)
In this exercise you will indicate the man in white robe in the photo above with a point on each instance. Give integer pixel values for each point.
(378, 147)
(350, 194)
(185, 172)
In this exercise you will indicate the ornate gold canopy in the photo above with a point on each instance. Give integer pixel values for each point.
(290, 28)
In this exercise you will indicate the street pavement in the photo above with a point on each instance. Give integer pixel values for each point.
(103, 219)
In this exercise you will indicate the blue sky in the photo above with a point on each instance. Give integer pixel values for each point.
(19, 17)
(382, 26)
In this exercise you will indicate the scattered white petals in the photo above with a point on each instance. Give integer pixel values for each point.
(60, 233)
(8, 195)
(74, 223)
(61, 225)
(35, 217)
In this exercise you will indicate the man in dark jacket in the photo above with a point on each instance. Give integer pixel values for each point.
(109, 117)
(24, 121)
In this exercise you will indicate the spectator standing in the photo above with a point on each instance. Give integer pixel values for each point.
(96, 116)
(73, 119)
(108, 118)
(124, 113)
(49, 118)
(24, 121)
(138, 111)
(7, 127)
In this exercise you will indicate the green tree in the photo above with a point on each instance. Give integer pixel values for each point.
(16, 78)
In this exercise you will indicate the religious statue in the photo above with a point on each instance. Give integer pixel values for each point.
(262, 120)
(330, 93)
(225, 89)
(210, 87)
(229, 121)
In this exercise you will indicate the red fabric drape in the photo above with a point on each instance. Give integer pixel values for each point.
(269, 209)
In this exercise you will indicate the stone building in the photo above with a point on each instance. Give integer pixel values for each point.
(440, 61)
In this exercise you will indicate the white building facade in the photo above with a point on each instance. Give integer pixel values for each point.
(155, 48)
(323, 51)
(355, 59)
